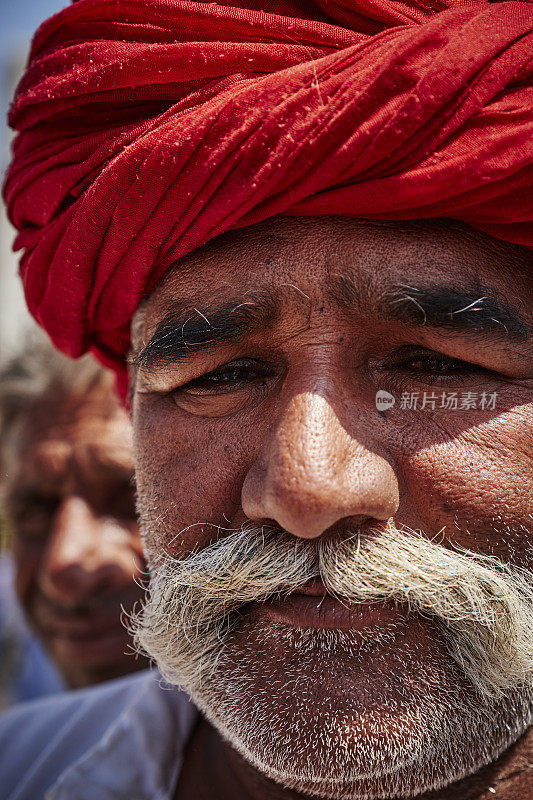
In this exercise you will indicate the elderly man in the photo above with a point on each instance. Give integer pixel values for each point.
(316, 218)
(68, 493)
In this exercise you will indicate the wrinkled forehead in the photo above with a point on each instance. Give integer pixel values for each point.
(310, 260)
(88, 436)
(84, 414)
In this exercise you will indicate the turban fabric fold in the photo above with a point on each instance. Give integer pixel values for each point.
(148, 127)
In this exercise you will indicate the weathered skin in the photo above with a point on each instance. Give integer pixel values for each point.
(299, 440)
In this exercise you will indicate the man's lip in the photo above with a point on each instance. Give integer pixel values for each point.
(82, 622)
(87, 633)
(85, 627)
(311, 610)
(313, 588)
(100, 648)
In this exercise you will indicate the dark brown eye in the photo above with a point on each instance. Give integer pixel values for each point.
(234, 375)
(120, 502)
(436, 365)
(32, 517)
(437, 368)
(226, 378)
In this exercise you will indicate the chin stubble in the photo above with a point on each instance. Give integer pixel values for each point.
(482, 608)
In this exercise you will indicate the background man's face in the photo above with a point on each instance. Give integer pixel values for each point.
(77, 546)
(260, 360)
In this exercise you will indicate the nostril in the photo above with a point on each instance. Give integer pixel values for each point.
(270, 523)
(75, 583)
(338, 530)
(348, 526)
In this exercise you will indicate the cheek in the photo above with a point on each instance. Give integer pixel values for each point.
(189, 470)
(476, 481)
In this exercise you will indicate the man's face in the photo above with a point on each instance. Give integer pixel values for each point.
(76, 540)
(257, 363)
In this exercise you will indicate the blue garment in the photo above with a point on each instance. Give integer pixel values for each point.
(37, 675)
(121, 739)
(27, 671)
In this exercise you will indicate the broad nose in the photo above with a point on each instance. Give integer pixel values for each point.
(311, 473)
(79, 560)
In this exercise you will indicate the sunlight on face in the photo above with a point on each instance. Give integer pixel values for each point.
(259, 388)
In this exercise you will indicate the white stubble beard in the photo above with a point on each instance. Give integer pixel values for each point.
(395, 750)
(282, 720)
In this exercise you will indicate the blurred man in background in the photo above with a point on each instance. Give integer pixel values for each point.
(69, 498)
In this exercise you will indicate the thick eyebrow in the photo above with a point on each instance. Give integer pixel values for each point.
(187, 331)
(474, 311)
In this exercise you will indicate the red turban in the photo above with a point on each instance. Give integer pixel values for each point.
(147, 127)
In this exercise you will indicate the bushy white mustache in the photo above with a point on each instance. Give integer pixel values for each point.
(483, 607)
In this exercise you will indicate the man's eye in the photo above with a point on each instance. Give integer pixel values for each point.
(438, 368)
(121, 501)
(32, 520)
(230, 377)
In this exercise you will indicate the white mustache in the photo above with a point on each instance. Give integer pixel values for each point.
(483, 607)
